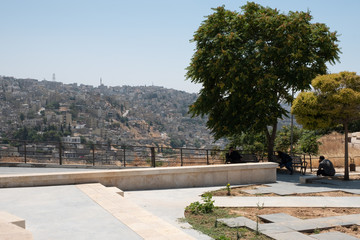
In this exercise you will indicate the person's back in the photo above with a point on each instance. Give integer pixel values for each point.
(326, 168)
(286, 161)
(233, 156)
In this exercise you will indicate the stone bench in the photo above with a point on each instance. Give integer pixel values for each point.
(310, 178)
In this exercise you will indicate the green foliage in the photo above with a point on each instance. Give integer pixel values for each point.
(222, 237)
(176, 142)
(308, 142)
(197, 143)
(249, 63)
(206, 207)
(82, 140)
(283, 138)
(249, 142)
(31, 134)
(53, 105)
(335, 100)
(74, 111)
(205, 224)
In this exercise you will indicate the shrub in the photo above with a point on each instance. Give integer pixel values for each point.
(206, 207)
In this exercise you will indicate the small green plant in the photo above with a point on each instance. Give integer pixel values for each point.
(316, 231)
(228, 188)
(222, 237)
(206, 207)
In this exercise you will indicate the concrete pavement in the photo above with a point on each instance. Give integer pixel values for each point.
(68, 212)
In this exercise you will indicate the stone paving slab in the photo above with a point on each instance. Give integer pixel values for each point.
(296, 189)
(288, 189)
(145, 224)
(287, 201)
(278, 217)
(269, 228)
(238, 222)
(308, 225)
(325, 185)
(290, 236)
(287, 229)
(333, 236)
(350, 219)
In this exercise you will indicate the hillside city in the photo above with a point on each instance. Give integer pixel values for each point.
(138, 116)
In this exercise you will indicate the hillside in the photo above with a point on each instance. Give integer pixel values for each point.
(143, 115)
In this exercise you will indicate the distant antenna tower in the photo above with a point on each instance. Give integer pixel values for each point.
(53, 78)
(101, 82)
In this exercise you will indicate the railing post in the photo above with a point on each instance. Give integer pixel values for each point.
(124, 157)
(93, 154)
(207, 156)
(25, 152)
(60, 153)
(152, 156)
(181, 157)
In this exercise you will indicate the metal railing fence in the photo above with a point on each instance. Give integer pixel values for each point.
(89, 154)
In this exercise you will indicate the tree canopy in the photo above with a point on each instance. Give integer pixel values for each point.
(335, 100)
(250, 62)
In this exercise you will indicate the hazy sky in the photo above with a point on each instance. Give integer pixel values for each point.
(134, 42)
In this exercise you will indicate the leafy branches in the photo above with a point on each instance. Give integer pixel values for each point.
(249, 62)
(206, 207)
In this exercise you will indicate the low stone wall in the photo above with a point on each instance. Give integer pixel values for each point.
(153, 178)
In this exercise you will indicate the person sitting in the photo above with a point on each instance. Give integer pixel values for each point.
(326, 167)
(286, 161)
(233, 156)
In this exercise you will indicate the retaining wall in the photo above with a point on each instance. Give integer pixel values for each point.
(153, 178)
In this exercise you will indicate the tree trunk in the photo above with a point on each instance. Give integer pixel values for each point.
(346, 174)
(270, 137)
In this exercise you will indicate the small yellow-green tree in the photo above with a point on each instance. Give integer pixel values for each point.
(335, 100)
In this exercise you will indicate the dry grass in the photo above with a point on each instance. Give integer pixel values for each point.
(333, 147)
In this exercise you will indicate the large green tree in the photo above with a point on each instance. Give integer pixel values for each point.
(249, 63)
(335, 100)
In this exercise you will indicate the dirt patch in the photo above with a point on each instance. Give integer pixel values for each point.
(239, 191)
(303, 213)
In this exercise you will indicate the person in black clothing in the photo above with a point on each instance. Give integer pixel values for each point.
(326, 167)
(286, 161)
(233, 156)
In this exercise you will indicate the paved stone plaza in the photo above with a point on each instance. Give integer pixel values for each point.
(93, 211)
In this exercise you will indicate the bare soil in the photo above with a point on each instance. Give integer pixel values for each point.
(302, 213)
